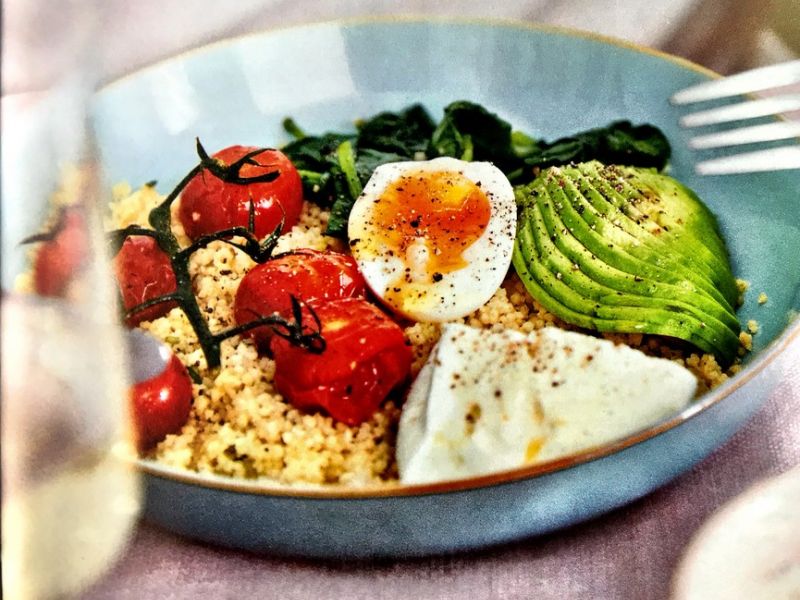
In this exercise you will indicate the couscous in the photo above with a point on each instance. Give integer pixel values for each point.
(240, 419)
(241, 427)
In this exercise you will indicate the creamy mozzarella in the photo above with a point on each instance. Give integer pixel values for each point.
(434, 238)
(485, 402)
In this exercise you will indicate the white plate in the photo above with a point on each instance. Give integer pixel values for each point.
(749, 549)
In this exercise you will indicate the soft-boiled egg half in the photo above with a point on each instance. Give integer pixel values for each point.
(434, 238)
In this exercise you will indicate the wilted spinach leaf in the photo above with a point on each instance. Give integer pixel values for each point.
(314, 158)
(369, 159)
(309, 152)
(404, 133)
(470, 132)
(335, 166)
(619, 143)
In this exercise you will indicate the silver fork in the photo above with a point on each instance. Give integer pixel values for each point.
(756, 80)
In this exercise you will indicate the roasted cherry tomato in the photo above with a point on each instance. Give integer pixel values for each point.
(365, 357)
(144, 272)
(161, 405)
(307, 274)
(209, 205)
(61, 256)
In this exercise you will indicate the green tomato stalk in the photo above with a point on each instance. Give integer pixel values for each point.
(160, 218)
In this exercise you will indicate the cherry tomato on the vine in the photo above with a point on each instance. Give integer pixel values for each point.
(208, 204)
(161, 405)
(144, 272)
(309, 275)
(365, 357)
(60, 258)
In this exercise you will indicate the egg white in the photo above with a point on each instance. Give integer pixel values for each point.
(458, 292)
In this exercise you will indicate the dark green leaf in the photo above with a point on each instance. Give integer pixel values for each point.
(335, 166)
(620, 143)
(404, 133)
(368, 160)
(342, 204)
(470, 132)
(293, 129)
(314, 157)
(314, 153)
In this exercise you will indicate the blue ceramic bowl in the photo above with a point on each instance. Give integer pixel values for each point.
(544, 81)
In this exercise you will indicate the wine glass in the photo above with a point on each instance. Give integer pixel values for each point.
(70, 495)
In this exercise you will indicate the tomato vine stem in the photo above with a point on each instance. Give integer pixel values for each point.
(242, 238)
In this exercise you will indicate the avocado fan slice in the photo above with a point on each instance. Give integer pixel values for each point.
(619, 325)
(631, 324)
(670, 213)
(617, 228)
(620, 264)
(624, 294)
(696, 266)
(608, 309)
(654, 279)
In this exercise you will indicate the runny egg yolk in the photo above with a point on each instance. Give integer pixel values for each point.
(429, 218)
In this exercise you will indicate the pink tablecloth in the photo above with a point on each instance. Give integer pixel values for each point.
(629, 553)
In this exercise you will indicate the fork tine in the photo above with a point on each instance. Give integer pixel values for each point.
(743, 110)
(774, 159)
(755, 80)
(747, 135)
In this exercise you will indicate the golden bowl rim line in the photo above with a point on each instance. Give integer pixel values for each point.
(394, 489)
(405, 19)
(264, 487)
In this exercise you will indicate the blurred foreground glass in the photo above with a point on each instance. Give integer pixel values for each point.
(70, 494)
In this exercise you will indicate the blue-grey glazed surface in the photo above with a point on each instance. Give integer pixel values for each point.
(545, 82)
(443, 518)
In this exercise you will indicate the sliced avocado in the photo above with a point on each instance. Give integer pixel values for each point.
(620, 230)
(655, 226)
(568, 280)
(626, 250)
(619, 325)
(619, 271)
(583, 246)
(670, 213)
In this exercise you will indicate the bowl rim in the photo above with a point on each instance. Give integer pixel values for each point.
(269, 487)
(406, 19)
